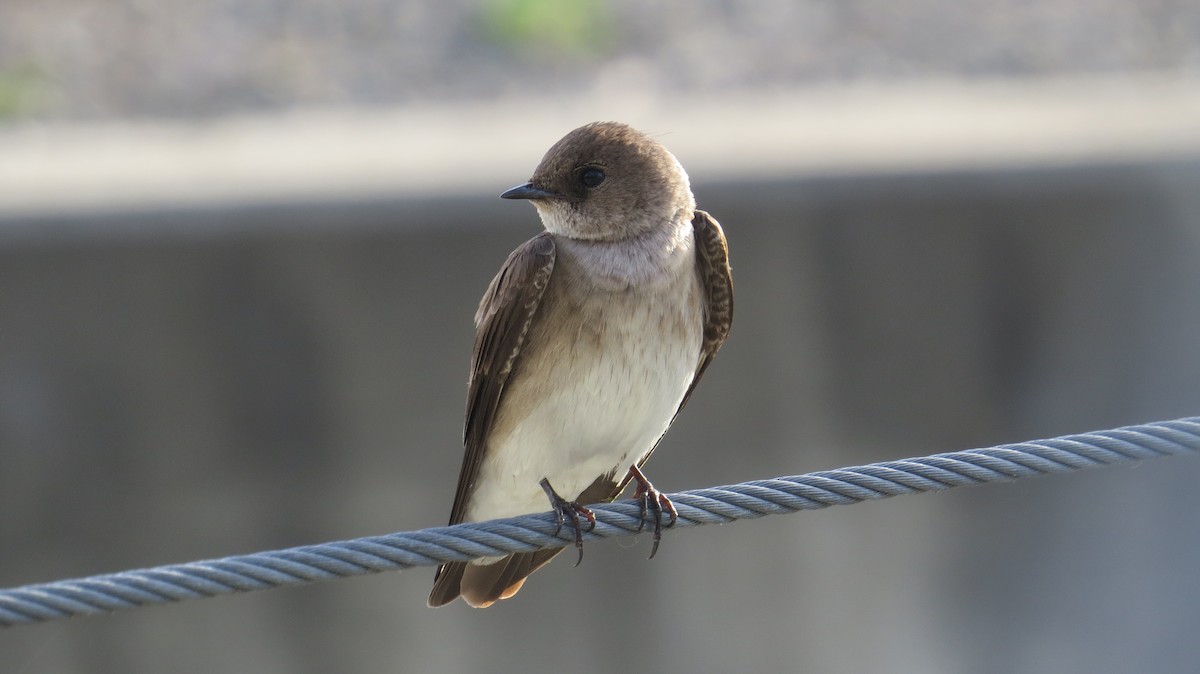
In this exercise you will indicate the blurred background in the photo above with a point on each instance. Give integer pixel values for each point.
(241, 245)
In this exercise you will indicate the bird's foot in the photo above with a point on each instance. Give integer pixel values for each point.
(572, 512)
(653, 501)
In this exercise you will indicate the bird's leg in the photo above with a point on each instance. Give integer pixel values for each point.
(654, 501)
(569, 510)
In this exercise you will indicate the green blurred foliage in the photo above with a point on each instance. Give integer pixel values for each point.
(24, 90)
(539, 28)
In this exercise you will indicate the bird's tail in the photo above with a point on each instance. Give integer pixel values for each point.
(482, 585)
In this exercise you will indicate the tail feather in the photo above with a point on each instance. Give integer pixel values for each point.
(481, 585)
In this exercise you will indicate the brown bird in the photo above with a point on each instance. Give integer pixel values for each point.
(588, 343)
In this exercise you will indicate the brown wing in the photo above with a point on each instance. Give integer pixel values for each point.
(502, 322)
(712, 264)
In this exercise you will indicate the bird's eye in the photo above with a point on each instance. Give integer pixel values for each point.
(591, 177)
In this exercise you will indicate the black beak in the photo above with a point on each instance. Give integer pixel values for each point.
(528, 191)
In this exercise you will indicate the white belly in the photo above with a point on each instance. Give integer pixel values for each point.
(598, 411)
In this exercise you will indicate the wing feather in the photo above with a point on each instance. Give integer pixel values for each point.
(502, 323)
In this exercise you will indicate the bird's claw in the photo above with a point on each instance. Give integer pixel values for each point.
(572, 512)
(654, 501)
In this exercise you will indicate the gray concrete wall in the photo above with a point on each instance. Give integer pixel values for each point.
(191, 383)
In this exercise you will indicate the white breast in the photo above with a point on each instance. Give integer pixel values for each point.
(596, 409)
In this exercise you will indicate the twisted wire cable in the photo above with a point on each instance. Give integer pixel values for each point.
(747, 500)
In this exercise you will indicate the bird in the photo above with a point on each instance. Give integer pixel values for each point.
(589, 342)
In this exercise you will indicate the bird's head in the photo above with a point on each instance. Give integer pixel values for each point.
(606, 181)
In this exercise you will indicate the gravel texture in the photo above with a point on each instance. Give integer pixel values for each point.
(190, 59)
